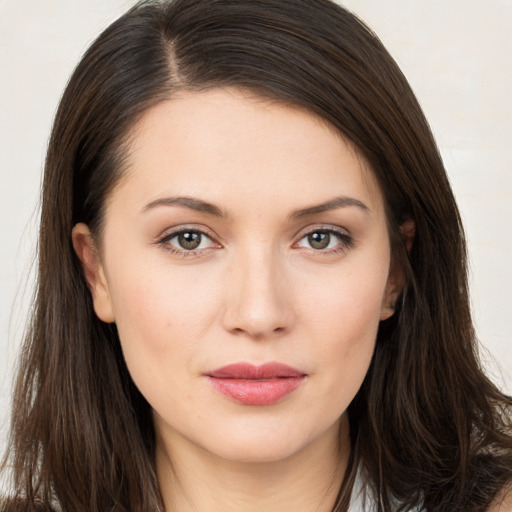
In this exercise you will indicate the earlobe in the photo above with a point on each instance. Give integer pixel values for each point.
(393, 290)
(408, 231)
(395, 282)
(387, 311)
(86, 250)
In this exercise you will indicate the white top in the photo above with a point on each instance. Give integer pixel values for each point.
(363, 502)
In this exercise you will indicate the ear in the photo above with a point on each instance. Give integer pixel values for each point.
(396, 280)
(393, 290)
(407, 232)
(87, 252)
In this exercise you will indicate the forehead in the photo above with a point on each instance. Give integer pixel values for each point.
(226, 142)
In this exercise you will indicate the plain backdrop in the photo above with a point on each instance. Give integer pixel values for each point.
(456, 55)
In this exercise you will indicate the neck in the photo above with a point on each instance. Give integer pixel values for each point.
(193, 480)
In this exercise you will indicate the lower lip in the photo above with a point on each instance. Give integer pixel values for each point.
(256, 392)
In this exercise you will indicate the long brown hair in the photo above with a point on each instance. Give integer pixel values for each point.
(427, 427)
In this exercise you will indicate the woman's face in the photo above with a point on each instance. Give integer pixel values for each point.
(245, 261)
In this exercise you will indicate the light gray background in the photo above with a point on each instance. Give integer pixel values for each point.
(456, 54)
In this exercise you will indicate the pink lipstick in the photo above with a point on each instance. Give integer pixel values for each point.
(256, 385)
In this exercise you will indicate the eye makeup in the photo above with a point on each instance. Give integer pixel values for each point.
(193, 242)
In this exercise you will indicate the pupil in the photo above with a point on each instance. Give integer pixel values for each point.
(319, 240)
(189, 240)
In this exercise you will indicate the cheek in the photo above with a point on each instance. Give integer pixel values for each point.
(345, 303)
(343, 314)
(160, 315)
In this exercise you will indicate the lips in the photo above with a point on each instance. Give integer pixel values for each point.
(256, 385)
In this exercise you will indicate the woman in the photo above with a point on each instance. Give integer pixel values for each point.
(252, 287)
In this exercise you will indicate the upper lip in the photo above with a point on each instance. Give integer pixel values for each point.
(250, 371)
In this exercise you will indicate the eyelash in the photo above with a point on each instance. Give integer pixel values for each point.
(345, 243)
(184, 253)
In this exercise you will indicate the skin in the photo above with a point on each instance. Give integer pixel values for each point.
(503, 502)
(255, 290)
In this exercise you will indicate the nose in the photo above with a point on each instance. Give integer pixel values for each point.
(259, 304)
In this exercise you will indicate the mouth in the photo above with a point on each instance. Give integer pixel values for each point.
(256, 385)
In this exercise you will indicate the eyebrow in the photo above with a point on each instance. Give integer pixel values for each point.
(188, 202)
(333, 204)
(202, 206)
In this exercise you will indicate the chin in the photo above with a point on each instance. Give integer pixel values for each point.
(264, 451)
(270, 443)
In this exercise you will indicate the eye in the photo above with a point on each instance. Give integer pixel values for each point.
(188, 240)
(325, 240)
